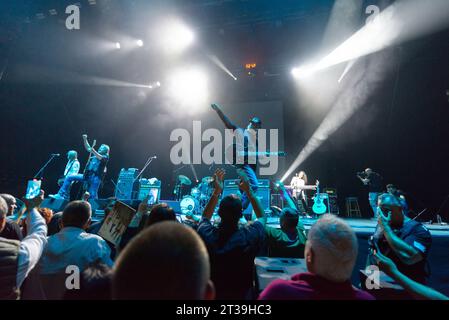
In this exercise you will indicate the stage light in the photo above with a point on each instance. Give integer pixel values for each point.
(304, 71)
(221, 65)
(189, 86)
(400, 22)
(154, 85)
(139, 43)
(249, 66)
(118, 45)
(176, 36)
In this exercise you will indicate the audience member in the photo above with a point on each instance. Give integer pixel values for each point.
(165, 261)
(18, 258)
(95, 227)
(232, 249)
(405, 241)
(330, 255)
(393, 190)
(95, 284)
(288, 241)
(46, 213)
(54, 226)
(71, 246)
(11, 231)
(159, 212)
(415, 289)
(11, 202)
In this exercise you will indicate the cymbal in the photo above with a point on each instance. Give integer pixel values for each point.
(207, 180)
(184, 180)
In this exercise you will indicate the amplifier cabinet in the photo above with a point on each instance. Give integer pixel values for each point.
(263, 192)
(126, 185)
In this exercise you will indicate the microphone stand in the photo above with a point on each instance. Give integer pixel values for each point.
(40, 172)
(150, 159)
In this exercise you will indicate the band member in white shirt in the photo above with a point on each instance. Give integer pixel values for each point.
(72, 167)
(299, 185)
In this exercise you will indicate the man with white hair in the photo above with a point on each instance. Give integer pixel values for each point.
(330, 255)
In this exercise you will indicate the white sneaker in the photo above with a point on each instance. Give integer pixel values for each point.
(57, 197)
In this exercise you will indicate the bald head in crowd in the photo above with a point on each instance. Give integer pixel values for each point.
(331, 249)
(167, 261)
(389, 204)
(77, 214)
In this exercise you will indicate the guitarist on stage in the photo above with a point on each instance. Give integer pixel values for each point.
(93, 174)
(299, 186)
(249, 139)
(72, 167)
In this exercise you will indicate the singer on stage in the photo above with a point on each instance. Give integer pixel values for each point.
(93, 173)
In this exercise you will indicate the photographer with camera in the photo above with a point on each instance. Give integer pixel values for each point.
(403, 240)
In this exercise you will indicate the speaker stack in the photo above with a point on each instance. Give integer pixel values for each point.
(332, 202)
(263, 192)
(126, 187)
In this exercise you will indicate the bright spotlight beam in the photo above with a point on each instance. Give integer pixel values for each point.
(175, 36)
(221, 65)
(194, 172)
(345, 106)
(189, 86)
(38, 74)
(402, 21)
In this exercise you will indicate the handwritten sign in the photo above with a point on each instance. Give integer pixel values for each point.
(116, 223)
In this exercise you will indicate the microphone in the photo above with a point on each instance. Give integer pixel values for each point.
(154, 157)
(55, 155)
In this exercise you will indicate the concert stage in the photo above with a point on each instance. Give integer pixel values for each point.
(367, 226)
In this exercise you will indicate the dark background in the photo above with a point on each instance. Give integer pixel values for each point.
(401, 131)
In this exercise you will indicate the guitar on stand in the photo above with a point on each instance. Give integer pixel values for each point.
(318, 203)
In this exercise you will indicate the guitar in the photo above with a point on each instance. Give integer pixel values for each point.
(235, 154)
(318, 204)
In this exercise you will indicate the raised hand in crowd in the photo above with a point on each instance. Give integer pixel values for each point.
(218, 181)
(416, 289)
(244, 182)
(35, 202)
(245, 186)
(218, 188)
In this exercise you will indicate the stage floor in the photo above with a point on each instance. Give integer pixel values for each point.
(361, 225)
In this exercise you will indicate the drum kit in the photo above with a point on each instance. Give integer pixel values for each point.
(195, 202)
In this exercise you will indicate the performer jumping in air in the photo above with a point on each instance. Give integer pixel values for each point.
(93, 174)
(249, 135)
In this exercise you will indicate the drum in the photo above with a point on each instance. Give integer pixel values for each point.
(195, 192)
(189, 205)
